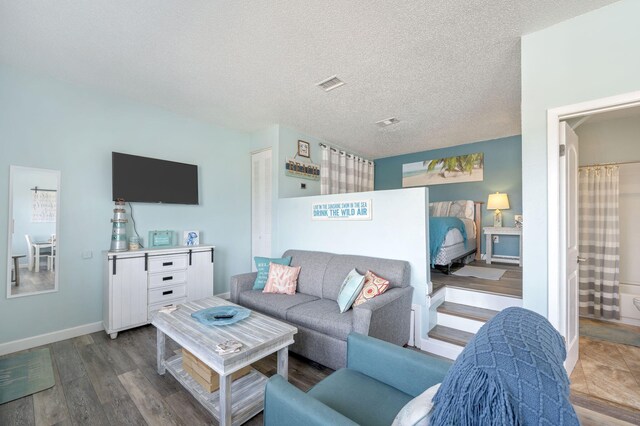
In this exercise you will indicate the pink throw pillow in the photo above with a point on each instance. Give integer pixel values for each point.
(282, 279)
(373, 286)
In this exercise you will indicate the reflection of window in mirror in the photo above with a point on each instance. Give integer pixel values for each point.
(33, 227)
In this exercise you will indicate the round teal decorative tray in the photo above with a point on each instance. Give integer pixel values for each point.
(226, 315)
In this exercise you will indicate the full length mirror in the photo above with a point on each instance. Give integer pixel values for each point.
(34, 210)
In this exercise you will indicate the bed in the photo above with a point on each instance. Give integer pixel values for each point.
(461, 243)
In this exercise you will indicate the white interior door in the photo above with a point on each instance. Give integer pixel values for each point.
(261, 190)
(569, 321)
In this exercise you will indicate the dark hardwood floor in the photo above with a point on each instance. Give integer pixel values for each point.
(100, 381)
(509, 285)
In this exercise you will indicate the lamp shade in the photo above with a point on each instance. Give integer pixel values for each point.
(498, 201)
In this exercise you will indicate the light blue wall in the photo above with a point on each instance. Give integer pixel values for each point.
(592, 56)
(48, 124)
(502, 173)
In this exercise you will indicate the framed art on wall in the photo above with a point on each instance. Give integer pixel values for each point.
(303, 149)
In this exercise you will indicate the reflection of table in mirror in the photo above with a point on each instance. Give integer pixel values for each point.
(15, 277)
(38, 247)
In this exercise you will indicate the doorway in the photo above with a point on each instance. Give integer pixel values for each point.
(261, 203)
(565, 155)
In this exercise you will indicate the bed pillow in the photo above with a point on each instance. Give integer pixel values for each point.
(373, 286)
(282, 279)
(351, 287)
(262, 265)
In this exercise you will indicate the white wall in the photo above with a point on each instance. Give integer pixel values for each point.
(398, 230)
(592, 56)
(629, 227)
(610, 141)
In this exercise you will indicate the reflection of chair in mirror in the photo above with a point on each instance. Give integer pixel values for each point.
(51, 258)
(35, 252)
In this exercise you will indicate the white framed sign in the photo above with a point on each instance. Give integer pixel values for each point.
(342, 210)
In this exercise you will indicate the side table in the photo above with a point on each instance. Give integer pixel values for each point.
(489, 232)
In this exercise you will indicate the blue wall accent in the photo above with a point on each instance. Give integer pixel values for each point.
(49, 124)
(502, 173)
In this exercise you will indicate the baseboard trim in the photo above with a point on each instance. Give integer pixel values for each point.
(45, 339)
(225, 296)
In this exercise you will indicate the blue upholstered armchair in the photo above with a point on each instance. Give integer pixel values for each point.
(379, 380)
(511, 372)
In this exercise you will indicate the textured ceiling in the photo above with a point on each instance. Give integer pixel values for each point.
(449, 70)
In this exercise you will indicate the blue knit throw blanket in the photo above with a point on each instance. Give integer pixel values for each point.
(510, 373)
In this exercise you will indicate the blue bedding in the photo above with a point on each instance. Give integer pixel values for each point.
(438, 228)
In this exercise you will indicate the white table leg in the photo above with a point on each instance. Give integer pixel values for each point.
(225, 400)
(160, 351)
(489, 249)
(283, 362)
(37, 259)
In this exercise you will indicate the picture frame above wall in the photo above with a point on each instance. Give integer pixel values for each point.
(304, 150)
(438, 171)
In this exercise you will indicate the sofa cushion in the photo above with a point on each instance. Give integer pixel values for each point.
(323, 316)
(282, 279)
(350, 289)
(314, 264)
(262, 266)
(271, 304)
(364, 400)
(396, 271)
(373, 286)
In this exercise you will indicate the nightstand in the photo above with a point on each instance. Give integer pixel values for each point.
(490, 231)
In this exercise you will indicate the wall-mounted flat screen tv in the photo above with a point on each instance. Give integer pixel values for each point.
(150, 180)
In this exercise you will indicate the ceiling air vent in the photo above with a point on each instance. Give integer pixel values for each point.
(387, 122)
(330, 83)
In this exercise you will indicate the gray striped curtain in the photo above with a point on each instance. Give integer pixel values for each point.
(341, 172)
(599, 241)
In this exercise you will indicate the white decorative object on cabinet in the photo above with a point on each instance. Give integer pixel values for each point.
(139, 283)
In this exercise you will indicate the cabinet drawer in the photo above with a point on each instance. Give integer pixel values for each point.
(156, 307)
(167, 263)
(167, 278)
(159, 295)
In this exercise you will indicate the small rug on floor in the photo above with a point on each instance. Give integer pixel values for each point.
(24, 374)
(603, 330)
(485, 273)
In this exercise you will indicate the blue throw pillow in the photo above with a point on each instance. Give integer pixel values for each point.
(262, 265)
(351, 287)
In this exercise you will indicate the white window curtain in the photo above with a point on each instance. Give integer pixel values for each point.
(341, 172)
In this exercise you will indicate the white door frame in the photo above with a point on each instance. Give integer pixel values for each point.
(555, 265)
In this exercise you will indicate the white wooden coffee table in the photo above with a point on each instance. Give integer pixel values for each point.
(237, 402)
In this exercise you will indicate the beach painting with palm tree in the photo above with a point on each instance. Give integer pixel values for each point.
(462, 168)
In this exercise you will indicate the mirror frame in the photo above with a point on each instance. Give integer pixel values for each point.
(10, 226)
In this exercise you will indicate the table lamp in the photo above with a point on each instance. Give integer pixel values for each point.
(497, 202)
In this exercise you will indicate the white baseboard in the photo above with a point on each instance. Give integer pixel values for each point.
(225, 296)
(45, 339)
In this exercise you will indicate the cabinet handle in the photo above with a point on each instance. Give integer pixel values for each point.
(146, 261)
(114, 266)
(167, 278)
(164, 293)
(190, 253)
(167, 263)
(213, 256)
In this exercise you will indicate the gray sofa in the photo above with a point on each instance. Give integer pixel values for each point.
(322, 329)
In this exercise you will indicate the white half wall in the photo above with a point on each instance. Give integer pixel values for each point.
(398, 230)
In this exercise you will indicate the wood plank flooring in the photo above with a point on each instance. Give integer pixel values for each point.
(100, 381)
(509, 285)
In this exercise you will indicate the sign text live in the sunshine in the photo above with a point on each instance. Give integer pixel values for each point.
(342, 210)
